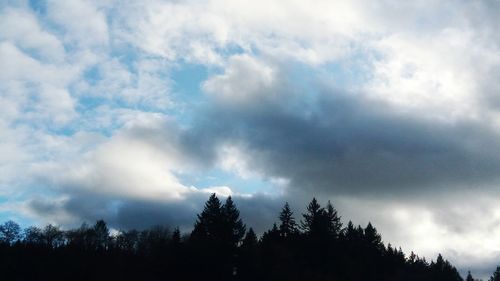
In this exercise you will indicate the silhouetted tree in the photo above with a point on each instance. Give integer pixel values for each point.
(217, 250)
(10, 232)
(233, 226)
(443, 270)
(250, 240)
(372, 237)
(272, 235)
(208, 225)
(334, 223)
(469, 277)
(496, 275)
(288, 227)
(176, 236)
(248, 263)
(101, 235)
(33, 235)
(312, 218)
(53, 236)
(128, 241)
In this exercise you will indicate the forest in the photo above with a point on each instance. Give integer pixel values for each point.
(220, 247)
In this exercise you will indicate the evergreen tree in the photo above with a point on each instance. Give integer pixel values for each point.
(469, 277)
(372, 237)
(443, 270)
(248, 262)
(233, 226)
(349, 233)
(288, 226)
(271, 236)
(208, 224)
(496, 275)
(313, 218)
(152, 254)
(176, 236)
(334, 223)
(250, 240)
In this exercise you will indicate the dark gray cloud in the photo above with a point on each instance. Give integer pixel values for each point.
(258, 211)
(339, 143)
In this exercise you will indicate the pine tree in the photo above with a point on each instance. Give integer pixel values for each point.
(443, 270)
(248, 262)
(496, 275)
(440, 262)
(372, 237)
(233, 226)
(312, 218)
(349, 233)
(271, 236)
(208, 225)
(288, 226)
(469, 277)
(176, 236)
(334, 223)
(250, 240)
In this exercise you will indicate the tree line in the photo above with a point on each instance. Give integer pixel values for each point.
(220, 247)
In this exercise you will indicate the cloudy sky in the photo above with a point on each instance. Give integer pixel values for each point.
(136, 111)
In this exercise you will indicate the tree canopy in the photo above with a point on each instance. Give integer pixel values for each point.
(219, 247)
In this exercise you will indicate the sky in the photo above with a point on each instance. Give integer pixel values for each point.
(136, 111)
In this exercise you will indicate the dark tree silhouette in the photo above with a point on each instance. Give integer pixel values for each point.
(10, 232)
(250, 240)
(53, 236)
(312, 219)
(443, 270)
(33, 235)
(101, 236)
(334, 223)
(176, 236)
(372, 237)
(217, 249)
(233, 226)
(208, 225)
(288, 227)
(496, 275)
(469, 277)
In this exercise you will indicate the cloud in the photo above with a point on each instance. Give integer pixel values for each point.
(83, 22)
(348, 142)
(244, 82)
(22, 27)
(136, 163)
(26, 80)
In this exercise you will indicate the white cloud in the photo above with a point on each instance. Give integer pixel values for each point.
(22, 28)
(463, 227)
(128, 165)
(35, 90)
(416, 60)
(84, 24)
(234, 158)
(223, 191)
(437, 74)
(245, 81)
